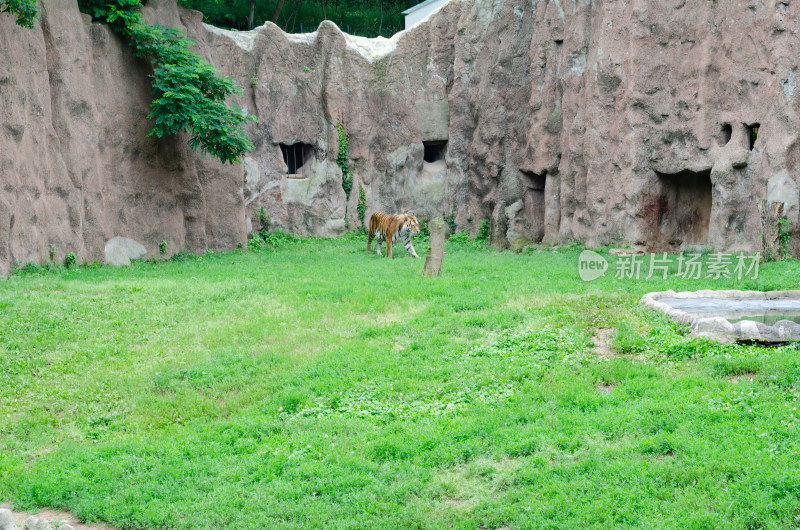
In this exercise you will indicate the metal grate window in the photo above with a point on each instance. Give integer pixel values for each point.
(293, 157)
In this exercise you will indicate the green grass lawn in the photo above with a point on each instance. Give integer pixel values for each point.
(319, 386)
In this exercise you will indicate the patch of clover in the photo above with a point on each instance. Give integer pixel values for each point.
(485, 377)
(744, 401)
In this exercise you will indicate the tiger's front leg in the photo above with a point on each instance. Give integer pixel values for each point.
(388, 248)
(409, 246)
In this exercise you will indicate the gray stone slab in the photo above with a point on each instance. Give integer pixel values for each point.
(710, 313)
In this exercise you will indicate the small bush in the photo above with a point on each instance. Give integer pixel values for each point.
(256, 243)
(272, 240)
(484, 231)
(28, 268)
(70, 260)
(280, 237)
(460, 238)
(162, 247)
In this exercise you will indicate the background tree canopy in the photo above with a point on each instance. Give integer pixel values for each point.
(368, 18)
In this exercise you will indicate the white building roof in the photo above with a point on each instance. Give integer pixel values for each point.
(419, 6)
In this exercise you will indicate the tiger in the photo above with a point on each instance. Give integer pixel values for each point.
(390, 228)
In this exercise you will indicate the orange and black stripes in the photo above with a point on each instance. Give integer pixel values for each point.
(390, 228)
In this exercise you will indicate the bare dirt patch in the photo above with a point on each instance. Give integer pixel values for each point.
(749, 376)
(605, 388)
(602, 343)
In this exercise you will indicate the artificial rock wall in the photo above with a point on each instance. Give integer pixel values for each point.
(654, 123)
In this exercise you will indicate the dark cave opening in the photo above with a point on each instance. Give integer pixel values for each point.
(683, 207)
(752, 133)
(434, 151)
(533, 201)
(726, 132)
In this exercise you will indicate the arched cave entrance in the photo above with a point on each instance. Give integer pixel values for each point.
(533, 202)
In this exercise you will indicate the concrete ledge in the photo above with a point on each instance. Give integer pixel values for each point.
(719, 328)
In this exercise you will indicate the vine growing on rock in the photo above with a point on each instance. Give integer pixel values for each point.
(362, 206)
(341, 158)
(341, 161)
(188, 93)
(25, 11)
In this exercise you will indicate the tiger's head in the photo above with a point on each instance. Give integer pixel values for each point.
(410, 224)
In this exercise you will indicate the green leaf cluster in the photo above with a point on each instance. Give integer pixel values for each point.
(484, 231)
(362, 204)
(784, 235)
(188, 93)
(341, 158)
(25, 11)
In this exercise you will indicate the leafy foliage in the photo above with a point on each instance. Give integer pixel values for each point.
(463, 238)
(362, 205)
(189, 94)
(70, 260)
(341, 159)
(274, 240)
(25, 11)
(484, 231)
(784, 235)
(424, 230)
(266, 239)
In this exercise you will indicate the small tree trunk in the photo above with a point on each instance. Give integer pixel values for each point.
(251, 17)
(770, 213)
(277, 12)
(433, 263)
(324, 16)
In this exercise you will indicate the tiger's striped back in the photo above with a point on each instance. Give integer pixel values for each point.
(390, 228)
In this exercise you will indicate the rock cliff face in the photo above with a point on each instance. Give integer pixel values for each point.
(76, 165)
(654, 123)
